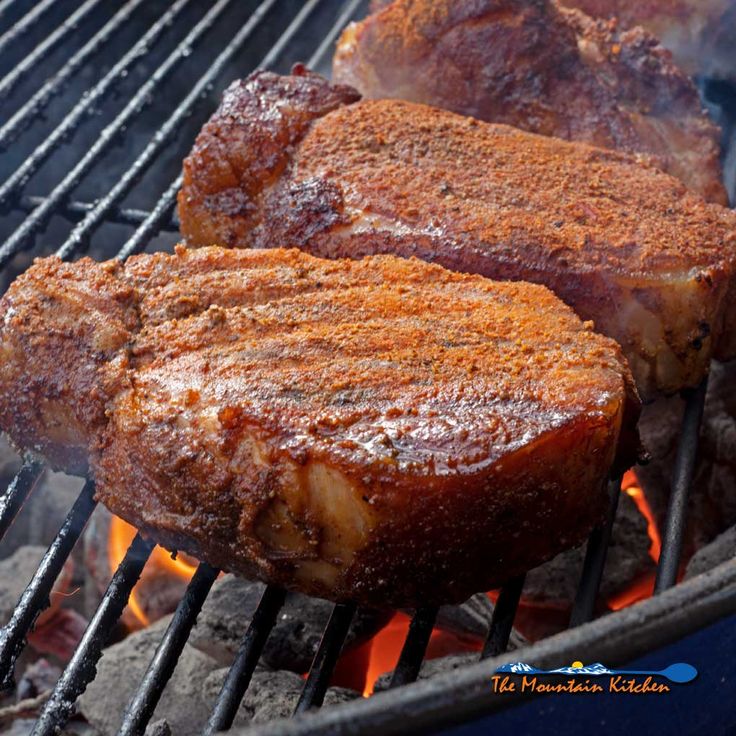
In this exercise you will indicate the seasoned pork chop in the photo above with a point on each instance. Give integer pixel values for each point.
(541, 68)
(383, 430)
(622, 243)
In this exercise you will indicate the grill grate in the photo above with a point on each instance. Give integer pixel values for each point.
(302, 35)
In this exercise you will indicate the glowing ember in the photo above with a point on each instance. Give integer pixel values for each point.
(161, 562)
(385, 647)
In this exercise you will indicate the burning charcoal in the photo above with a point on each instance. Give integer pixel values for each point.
(49, 505)
(225, 617)
(159, 728)
(158, 593)
(299, 626)
(20, 727)
(270, 695)
(722, 548)
(59, 633)
(119, 673)
(712, 502)
(294, 640)
(16, 572)
(470, 619)
(553, 585)
(38, 677)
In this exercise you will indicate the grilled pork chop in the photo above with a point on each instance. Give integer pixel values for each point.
(541, 68)
(699, 33)
(384, 430)
(622, 243)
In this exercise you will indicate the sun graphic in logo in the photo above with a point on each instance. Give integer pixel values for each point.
(577, 665)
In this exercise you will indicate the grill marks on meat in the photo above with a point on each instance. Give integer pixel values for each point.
(380, 430)
(622, 243)
(541, 68)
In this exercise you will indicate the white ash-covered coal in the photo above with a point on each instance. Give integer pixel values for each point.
(294, 639)
(721, 549)
(190, 694)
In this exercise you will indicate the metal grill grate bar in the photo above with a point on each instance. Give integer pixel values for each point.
(348, 11)
(166, 202)
(502, 620)
(93, 97)
(238, 677)
(36, 596)
(6, 5)
(75, 210)
(25, 115)
(415, 645)
(143, 704)
(8, 82)
(82, 666)
(325, 660)
(40, 216)
(682, 480)
(17, 492)
(596, 552)
(157, 219)
(278, 48)
(25, 24)
(81, 233)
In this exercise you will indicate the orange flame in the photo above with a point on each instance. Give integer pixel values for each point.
(644, 587)
(385, 648)
(630, 486)
(121, 535)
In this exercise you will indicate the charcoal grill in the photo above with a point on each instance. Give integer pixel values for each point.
(83, 168)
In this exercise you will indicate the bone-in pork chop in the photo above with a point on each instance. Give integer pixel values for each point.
(383, 430)
(541, 68)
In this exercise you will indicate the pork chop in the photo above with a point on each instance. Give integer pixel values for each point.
(624, 244)
(384, 430)
(541, 68)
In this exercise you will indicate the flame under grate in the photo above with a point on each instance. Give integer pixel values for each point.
(304, 31)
